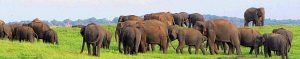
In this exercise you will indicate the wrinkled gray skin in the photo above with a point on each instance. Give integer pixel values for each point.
(286, 33)
(92, 35)
(189, 36)
(221, 30)
(256, 15)
(106, 40)
(273, 42)
(5, 31)
(181, 18)
(24, 33)
(193, 18)
(248, 37)
(131, 36)
(50, 37)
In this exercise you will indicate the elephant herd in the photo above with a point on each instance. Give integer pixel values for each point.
(136, 34)
(28, 32)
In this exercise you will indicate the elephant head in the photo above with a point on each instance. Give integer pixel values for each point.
(172, 32)
(201, 27)
(260, 41)
(261, 16)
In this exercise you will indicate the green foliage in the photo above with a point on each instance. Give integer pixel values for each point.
(70, 42)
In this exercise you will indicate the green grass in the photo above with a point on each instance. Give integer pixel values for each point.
(70, 44)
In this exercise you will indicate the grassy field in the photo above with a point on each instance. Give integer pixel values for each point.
(70, 44)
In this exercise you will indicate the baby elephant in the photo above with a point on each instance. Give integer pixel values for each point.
(189, 36)
(106, 40)
(274, 42)
(131, 39)
(50, 37)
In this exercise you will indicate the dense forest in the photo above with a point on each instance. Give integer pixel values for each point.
(235, 20)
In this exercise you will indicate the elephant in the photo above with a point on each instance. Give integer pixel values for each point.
(189, 36)
(5, 31)
(129, 21)
(165, 17)
(106, 40)
(256, 15)
(195, 17)
(286, 33)
(92, 35)
(24, 33)
(273, 42)
(248, 37)
(181, 18)
(39, 27)
(221, 30)
(154, 32)
(50, 37)
(131, 36)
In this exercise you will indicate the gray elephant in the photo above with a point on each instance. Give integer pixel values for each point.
(154, 32)
(273, 42)
(248, 37)
(131, 36)
(92, 35)
(106, 40)
(193, 18)
(189, 36)
(181, 18)
(5, 31)
(286, 33)
(256, 15)
(221, 30)
(50, 36)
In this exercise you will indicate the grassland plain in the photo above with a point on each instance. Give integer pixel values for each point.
(70, 44)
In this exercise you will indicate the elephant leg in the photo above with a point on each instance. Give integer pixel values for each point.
(94, 50)
(82, 47)
(251, 50)
(164, 45)
(225, 46)
(197, 49)
(190, 49)
(119, 46)
(125, 48)
(89, 48)
(230, 51)
(202, 49)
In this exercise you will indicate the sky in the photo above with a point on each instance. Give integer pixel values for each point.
(17, 10)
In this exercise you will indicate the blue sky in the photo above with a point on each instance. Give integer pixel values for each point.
(16, 10)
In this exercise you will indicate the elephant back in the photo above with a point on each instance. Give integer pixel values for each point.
(2, 22)
(40, 28)
(165, 17)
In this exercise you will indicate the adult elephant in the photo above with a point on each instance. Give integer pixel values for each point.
(193, 18)
(39, 27)
(24, 33)
(248, 37)
(256, 15)
(273, 42)
(221, 30)
(131, 36)
(189, 36)
(165, 17)
(92, 35)
(50, 37)
(286, 33)
(5, 31)
(130, 20)
(181, 18)
(154, 32)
